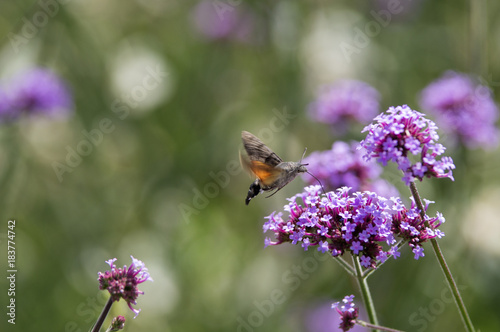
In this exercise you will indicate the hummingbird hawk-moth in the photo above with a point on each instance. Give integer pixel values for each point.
(271, 171)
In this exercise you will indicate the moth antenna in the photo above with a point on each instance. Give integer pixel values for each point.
(323, 189)
(303, 155)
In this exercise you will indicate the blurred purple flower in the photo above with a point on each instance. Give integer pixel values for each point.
(348, 313)
(387, 12)
(37, 91)
(217, 20)
(5, 109)
(464, 109)
(320, 318)
(122, 283)
(344, 165)
(401, 133)
(345, 101)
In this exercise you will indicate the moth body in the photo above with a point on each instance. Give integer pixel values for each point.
(272, 173)
(289, 170)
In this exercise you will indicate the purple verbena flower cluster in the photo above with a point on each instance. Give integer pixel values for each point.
(406, 137)
(409, 225)
(122, 283)
(345, 101)
(360, 223)
(463, 109)
(347, 311)
(344, 165)
(37, 91)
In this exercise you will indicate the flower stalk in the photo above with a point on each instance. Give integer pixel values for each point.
(444, 267)
(365, 292)
(345, 265)
(102, 316)
(375, 327)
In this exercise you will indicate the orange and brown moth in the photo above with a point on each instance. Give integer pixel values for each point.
(271, 172)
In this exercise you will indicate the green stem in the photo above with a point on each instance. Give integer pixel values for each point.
(102, 316)
(345, 265)
(376, 327)
(365, 291)
(444, 267)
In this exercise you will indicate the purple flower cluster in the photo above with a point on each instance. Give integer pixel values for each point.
(406, 137)
(38, 91)
(318, 318)
(117, 324)
(463, 109)
(345, 101)
(360, 223)
(122, 283)
(344, 165)
(409, 225)
(221, 21)
(348, 313)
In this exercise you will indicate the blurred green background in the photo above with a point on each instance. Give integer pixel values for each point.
(138, 191)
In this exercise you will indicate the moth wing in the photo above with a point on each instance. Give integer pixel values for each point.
(246, 164)
(258, 151)
(266, 174)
